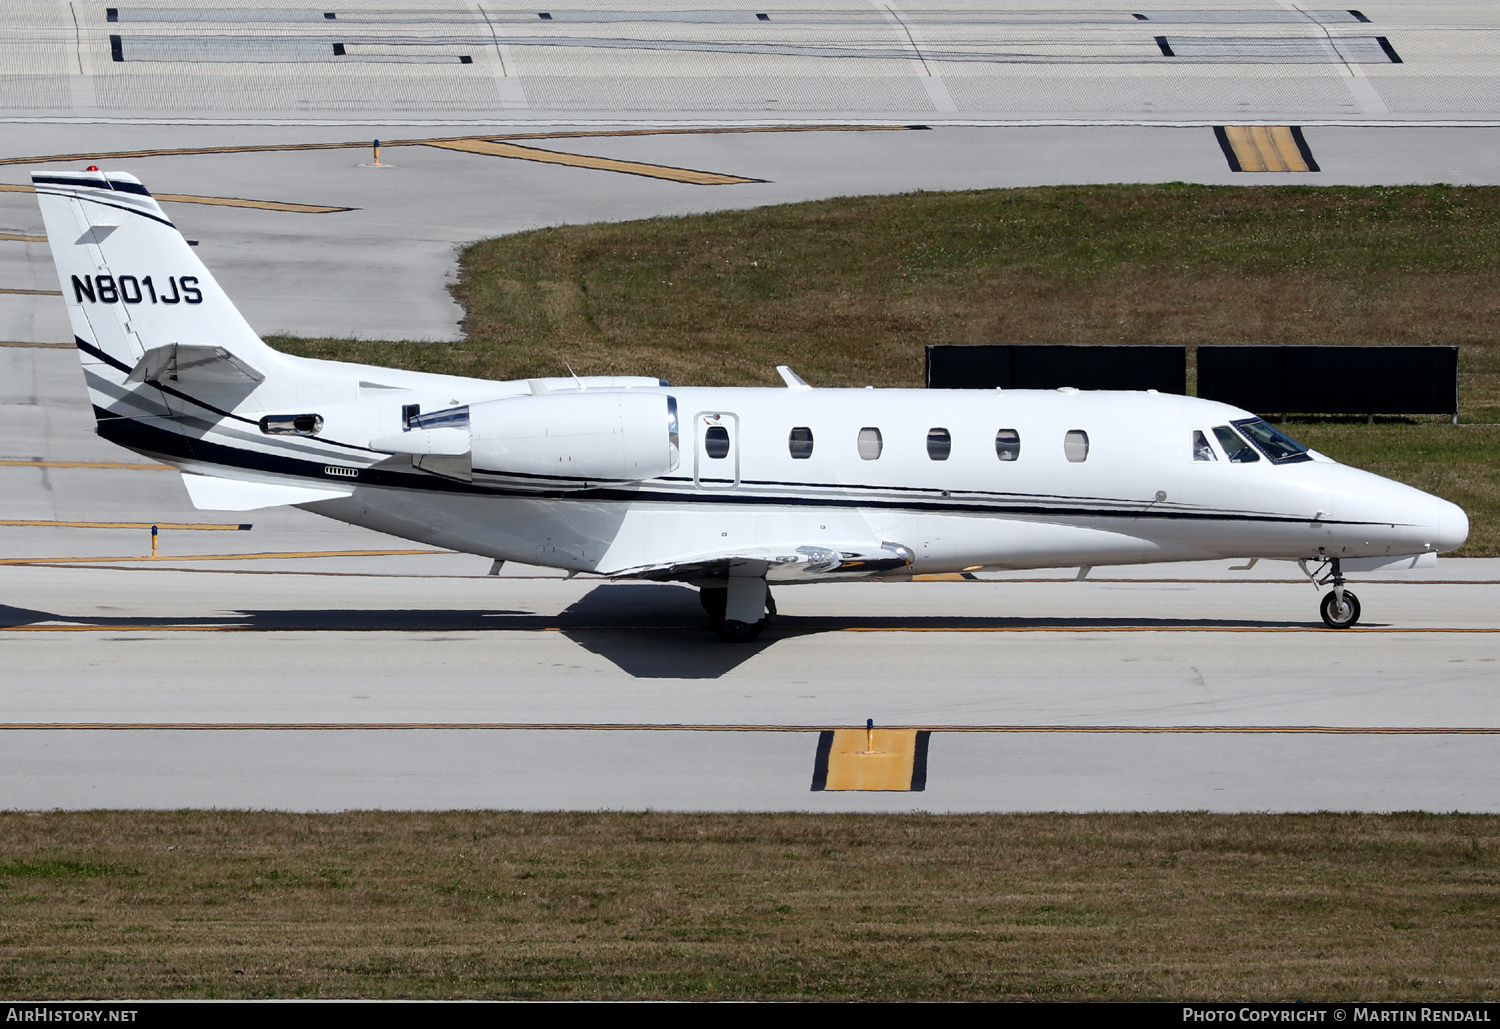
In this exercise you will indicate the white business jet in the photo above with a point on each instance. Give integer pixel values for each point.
(726, 489)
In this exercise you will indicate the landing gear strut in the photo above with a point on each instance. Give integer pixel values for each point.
(1340, 608)
(716, 601)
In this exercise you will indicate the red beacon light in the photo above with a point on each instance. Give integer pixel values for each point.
(92, 167)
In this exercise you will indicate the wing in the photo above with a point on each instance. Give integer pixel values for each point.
(816, 562)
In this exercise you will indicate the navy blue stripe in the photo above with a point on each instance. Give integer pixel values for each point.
(163, 443)
(106, 203)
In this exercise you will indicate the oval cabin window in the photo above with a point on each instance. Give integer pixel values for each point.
(800, 443)
(870, 443)
(1007, 444)
(939, 444)
(1076, 445)
(716, 442)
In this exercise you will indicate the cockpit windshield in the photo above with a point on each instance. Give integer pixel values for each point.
(1272, 442)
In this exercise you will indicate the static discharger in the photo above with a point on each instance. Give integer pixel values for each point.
(871, 760)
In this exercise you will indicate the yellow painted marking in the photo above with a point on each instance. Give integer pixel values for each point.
(125, 525)
(33, 292)
(268, 556)
(38, 346)
(184, 198)
(1265, 148)
(493, 148)
(86, 464)
(14, 238)
(851, 766)
(363, 144)
(1337, 730)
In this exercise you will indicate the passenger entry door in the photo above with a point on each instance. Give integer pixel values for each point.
(716, 450)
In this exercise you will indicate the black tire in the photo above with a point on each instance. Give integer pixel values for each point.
(714, 602)
(1335, 618)
(731, 631)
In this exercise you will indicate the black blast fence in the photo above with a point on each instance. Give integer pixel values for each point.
(1282, 380)
(1048, 366)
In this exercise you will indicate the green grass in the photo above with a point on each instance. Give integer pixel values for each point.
(850, 291)
(485, 904)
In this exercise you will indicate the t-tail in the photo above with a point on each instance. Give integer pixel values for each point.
(144, 310)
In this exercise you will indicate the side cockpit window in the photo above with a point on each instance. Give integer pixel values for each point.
(1235, 448)
(1202, 451)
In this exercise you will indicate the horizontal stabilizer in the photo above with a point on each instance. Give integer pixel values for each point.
(183, 362)
(211, 493)
(424, 442)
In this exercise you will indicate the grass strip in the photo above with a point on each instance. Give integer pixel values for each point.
(849, 292)
(652, 905)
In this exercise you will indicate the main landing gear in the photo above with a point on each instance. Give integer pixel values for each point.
(1340, 608)
(747, 598)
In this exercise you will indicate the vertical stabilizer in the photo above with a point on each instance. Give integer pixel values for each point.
(130, 281)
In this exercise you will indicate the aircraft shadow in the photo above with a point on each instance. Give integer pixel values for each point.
(647, 630)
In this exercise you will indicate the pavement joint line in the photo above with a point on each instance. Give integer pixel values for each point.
(364, 144)
(801, 630)
(720, 125)
(1309, 730)
(206, 526)
(265, 556)
(183, 198)
(132, 466)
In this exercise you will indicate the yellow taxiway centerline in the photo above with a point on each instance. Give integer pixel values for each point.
(183, 198)
(267, 556)
(129, 466)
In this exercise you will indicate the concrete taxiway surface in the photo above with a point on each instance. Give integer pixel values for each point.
(321, 666)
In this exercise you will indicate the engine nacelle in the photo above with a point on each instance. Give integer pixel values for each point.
(578, 438)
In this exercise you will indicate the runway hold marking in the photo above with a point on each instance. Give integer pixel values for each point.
(1265, 148)
(204, 526)
(183, 198)
(495, 148)
(128, 466)
(15, 238)
(871, 760)
(267, 556)
(859, 731)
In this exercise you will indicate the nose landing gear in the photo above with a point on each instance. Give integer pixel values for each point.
(1340, 607)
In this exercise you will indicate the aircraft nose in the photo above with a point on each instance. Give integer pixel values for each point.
(1452, 526)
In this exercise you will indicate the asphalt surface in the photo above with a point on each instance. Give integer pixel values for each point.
(301, 664)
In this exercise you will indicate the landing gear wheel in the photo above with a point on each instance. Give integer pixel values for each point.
(731, 631)
(1337, 616)
(714, 602)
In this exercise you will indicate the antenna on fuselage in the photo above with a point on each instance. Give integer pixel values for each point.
(576, 379)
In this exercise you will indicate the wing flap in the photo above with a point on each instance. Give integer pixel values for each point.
(785, 563)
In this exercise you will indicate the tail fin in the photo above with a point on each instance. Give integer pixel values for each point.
(130, 280)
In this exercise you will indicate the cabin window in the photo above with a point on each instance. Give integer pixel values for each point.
(1007, 444)
(1201, 449)
(800, 443)
(870, 443)
(1237, 450)
(939, 444)
(716, 442)
(1076, 445)
(1272, 442)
